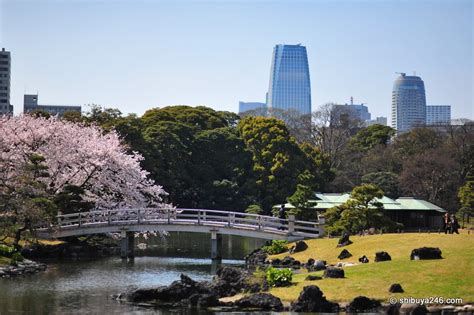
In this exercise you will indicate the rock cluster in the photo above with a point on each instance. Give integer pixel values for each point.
(256, 258)
(189, 293)
(364, 259)
(21, 268)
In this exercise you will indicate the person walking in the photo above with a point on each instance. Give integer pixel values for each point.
(454, 224)
(447, 223)
(282, 216)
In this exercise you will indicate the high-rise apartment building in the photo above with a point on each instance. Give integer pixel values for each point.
(290, 87)
(352, 111)
(30, 104)
(438, 114)
(246, 106)
(408, 103)
(5, 73)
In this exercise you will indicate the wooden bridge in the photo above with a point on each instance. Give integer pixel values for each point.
(215, 222)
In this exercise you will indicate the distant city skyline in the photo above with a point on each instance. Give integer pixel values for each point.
(143, 54)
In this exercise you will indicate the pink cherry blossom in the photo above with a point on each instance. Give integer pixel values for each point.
(81, 155)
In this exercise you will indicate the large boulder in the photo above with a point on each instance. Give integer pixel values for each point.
(344, 240)
(344, 254)
(382, 256)
(298, 247)
(362, 304)
(229, 281)
(426, 253)
(333, 272)
(396, 288)
(260, 301)
(311, 299)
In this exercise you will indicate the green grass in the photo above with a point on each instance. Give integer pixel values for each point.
(4, 261)
(452, 276)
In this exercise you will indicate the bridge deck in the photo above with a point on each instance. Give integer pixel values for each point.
(184, 220)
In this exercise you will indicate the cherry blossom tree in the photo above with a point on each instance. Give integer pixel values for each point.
(70, 154)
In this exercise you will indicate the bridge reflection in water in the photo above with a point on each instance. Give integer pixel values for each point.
(215, 222)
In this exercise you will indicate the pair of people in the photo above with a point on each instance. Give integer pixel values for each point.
(451, 224)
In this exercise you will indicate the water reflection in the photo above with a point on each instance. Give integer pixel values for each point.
(85, 287)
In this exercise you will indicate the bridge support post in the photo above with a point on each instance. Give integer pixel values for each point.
(127, 249)
(216, 246)
(291, 224)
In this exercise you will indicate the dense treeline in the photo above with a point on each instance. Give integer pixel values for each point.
(211, 159)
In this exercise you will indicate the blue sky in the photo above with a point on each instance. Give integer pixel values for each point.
(136, 55)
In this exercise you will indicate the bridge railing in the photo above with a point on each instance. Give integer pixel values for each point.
(218, 218)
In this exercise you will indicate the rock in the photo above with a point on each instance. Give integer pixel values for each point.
(426, 253)
(344, 254)
(276, 262)
(260, 301)
(344, 240)
(382, 256)
(287, 261)
(413, 309)
(396, 288)
(230, 280)
(311, 299)
(312, 278)
(333, 272)
(319, 265)
(298, 247)
(256, 258)
(362, 304)
(203, 300)
(364, 259)
(310, 262)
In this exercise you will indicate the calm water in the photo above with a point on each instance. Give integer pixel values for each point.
(85, 287)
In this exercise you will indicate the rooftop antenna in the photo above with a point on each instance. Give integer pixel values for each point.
(401, 73)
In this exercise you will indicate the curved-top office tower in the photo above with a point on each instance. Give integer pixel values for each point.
(408, 103)
(289, 79)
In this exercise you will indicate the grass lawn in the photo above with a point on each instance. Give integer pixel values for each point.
(451, 277)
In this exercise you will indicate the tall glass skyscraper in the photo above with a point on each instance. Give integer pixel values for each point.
(290, 86)
(408, 103)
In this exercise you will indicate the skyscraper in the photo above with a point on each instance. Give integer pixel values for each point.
(290, 86)
(438, 114)
(246, 106)
(408, 103)
(5, 71)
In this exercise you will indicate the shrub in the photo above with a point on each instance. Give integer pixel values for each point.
(16, 258)
(277, 247)
(254, 209)
(6, 251)
(279, 277)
